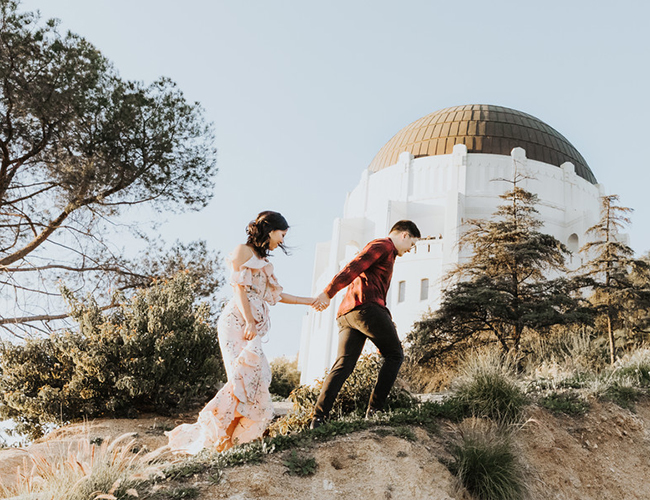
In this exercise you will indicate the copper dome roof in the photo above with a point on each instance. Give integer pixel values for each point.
(483, 129)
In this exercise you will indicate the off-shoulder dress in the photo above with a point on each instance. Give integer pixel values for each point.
(242, 410)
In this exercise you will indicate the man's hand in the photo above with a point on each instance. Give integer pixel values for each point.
(322, 302)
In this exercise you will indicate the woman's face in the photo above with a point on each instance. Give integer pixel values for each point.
(276, 237)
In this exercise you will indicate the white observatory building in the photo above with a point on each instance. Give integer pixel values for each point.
(440, 171)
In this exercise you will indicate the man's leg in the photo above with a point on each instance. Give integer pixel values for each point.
(350, 346)
(375, 322)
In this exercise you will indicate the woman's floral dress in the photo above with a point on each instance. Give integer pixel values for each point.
(242, 410)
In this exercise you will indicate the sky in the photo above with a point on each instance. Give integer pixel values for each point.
(303, 94)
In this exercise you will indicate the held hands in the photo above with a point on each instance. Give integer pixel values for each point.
(321, 302)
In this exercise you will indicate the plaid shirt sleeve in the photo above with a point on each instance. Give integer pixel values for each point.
(356, 266)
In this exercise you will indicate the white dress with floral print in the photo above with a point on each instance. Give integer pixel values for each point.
(242, 410)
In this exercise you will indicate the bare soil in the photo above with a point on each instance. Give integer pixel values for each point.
(602, 455)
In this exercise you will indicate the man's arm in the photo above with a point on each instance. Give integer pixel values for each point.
(366, 258)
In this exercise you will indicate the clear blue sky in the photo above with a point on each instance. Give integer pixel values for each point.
(304, 94)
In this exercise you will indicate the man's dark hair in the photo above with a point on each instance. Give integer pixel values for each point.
(407, 226)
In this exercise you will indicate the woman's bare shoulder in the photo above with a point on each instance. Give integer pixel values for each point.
(241, 254)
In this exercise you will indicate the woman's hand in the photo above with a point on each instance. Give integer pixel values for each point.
(321, 302)
(250, 331)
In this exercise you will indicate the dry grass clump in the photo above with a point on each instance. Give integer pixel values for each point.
(486, 386)
(564, 359)
(106, 471)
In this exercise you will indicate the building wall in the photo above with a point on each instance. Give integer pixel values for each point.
(439, 193)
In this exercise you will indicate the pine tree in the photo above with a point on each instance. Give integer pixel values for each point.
(82, 152)
(514, 281)
(620, 283)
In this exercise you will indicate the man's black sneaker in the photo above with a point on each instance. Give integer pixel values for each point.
(316, 422)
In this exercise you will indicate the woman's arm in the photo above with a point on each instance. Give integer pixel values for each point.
(285, 298)
(242, 254)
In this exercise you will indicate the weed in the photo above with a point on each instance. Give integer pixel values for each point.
(300, 465)
(401, 432)
(383, 431)
(97, 441)
(183, 493)
(623, 395)
(405, 433)
(216, 477)
(567, 403)
(185, 469)
(635, 366)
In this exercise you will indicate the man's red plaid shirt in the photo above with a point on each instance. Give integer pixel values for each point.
(368, 275)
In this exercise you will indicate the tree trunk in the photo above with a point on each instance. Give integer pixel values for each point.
(610, 334)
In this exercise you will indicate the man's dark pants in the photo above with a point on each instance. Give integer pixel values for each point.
(369, 321)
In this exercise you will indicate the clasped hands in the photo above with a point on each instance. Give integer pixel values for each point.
(321, 302)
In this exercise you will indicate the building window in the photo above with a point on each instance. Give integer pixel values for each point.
(424, 289)
(573, 244)
(401, 291)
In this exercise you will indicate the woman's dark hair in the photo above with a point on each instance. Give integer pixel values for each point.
(259, 229)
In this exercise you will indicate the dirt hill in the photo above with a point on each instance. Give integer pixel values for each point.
(602, 455)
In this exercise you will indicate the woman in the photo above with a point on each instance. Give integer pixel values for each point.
(242, 409)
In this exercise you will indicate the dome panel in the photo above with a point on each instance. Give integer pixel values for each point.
(483, 129)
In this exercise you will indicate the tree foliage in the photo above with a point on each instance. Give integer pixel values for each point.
(286, 376)
(620, 284)
(79, 147)
(511, 283)
(156, 351)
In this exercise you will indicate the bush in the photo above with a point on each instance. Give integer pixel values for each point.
(486, 388)
(286, 376)
(156, 351)
(486, 465)
(352, 399)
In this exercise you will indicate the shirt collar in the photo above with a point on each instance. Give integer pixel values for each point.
(392, 245)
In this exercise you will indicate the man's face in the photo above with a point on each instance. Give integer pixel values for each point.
(404, 243)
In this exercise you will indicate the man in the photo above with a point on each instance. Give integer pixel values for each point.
(363, 315)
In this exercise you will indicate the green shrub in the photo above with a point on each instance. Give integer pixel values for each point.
(156, 351)
(486, 465)
(486, 389)
(565, 402)
(286, 376)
